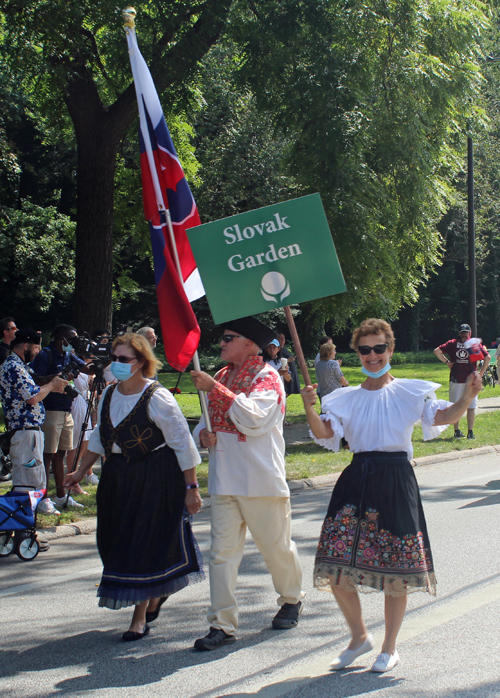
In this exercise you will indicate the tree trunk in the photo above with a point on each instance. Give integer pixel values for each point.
(99, 132)
(94, 233)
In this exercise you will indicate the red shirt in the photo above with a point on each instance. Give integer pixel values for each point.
(459, 356)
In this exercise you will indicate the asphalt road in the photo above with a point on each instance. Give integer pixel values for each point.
(55, 641)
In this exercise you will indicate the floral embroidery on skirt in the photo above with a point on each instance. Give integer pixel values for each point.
(374, 536)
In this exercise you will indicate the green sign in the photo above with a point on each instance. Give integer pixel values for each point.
(268, 258)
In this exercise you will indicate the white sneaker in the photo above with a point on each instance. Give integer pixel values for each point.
(60, 501)
(92, 479)
(385, 662)
(46, 506)
(347, 657)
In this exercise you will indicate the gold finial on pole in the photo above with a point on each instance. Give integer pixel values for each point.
(128, 15)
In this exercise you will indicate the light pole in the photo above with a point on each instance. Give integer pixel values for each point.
(471, 227)
(471, 237)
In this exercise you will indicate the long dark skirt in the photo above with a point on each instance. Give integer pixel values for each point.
(143, 533)
(374, 536)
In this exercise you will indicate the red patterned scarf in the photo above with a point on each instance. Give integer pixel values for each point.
(221, 400)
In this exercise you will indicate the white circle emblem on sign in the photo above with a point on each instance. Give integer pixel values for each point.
(274, 286)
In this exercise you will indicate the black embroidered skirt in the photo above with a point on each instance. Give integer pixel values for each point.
(143, 534)
(374, 536)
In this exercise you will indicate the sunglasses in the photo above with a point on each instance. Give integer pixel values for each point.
(226, 338)
(122, 359)
(378, 349)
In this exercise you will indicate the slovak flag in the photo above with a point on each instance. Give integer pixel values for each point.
(475, 349)
(166, 193)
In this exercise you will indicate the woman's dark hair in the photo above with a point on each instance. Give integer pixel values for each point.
(62, 331)
(324, 340)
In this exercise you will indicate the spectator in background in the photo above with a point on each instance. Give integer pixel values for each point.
(58, 425)
(149, 334)
(8, 329)
(497, 357)
(79, 408)
(328, 372)
(293, 387)
(454, 353)
(323, 340)
(23, 407)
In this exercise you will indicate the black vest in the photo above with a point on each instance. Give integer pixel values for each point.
(136, 435)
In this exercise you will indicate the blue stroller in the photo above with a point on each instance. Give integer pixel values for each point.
(18, 523)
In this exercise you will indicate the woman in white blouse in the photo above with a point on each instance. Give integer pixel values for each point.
(148, 479)
(374, 536)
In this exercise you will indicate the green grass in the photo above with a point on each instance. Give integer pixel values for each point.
(309, 459)
(432, 371)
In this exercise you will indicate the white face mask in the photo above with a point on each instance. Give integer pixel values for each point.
(122, 372)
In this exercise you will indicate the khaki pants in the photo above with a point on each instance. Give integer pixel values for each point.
(269, 521)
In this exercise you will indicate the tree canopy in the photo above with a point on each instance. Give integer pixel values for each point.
(365, 102)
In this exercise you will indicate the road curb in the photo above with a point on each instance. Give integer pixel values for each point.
(87, 526)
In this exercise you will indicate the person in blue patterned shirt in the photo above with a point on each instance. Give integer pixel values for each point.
(24, 411)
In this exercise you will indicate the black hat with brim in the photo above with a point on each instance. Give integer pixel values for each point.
(26, 335)
(252, 329)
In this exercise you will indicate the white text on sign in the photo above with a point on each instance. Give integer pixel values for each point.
(233, 234)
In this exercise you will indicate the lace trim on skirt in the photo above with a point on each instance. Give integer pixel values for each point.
(350, 578)
(123, 597)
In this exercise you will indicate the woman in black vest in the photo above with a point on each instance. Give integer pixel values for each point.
(148, 481)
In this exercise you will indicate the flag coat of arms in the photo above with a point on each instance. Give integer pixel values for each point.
(166, 194)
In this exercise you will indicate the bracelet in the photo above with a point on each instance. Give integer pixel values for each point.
(193, 486)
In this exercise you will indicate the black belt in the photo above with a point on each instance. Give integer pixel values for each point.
(28, 429)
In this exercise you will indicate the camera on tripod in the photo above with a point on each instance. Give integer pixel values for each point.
(70, 372)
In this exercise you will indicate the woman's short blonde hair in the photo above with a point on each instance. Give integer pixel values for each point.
(326, 350)
(373, 325)
(142, 350)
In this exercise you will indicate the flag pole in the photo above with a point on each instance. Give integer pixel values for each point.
(196, 358)
(129, 14)
(297, 345)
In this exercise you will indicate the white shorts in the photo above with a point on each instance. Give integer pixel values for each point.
(456, 392)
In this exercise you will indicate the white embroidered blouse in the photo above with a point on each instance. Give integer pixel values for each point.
(382, 420)
(164, 412)
(249, 462)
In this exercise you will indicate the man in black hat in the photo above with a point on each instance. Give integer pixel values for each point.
(247, 480)
(24, 410)
(455, 354)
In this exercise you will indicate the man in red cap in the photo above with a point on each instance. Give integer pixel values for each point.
(455, 354)
(247, 479)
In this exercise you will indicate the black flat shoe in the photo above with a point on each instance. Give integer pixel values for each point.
(130, 636)
(153, 615)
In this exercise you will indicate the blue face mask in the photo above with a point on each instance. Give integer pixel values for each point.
(67, 348)
(121, 372)
(382, 371)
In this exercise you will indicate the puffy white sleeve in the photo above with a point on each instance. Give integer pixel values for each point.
(333, 443)
(259, 411)
(431, 406)
(166, 414)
